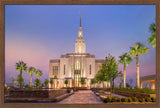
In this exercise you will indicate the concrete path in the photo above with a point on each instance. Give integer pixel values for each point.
(82, 97)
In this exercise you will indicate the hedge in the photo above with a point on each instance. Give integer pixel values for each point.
(129, 99)
(147, 91)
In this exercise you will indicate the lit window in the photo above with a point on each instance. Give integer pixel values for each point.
(55, 70)
(64, 68)
(90, 69)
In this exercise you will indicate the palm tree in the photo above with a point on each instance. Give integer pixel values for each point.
(125, 59)
(137, 50)
(39, 73)
(31, 71)
(152, 38)
(21, 66)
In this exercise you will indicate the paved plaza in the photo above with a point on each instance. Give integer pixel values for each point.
(82, 97)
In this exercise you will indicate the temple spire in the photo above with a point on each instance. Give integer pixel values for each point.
(80, 19)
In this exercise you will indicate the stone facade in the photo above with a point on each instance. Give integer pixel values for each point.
(74, 66)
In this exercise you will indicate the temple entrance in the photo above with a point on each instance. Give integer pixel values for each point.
(77, 77)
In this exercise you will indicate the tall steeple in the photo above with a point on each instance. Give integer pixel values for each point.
(80, 19)
(80, 33)
(80, 46)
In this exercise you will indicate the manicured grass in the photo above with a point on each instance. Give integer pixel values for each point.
(32, 88)
(147, 91)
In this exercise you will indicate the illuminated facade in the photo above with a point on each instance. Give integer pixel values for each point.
(74, 66)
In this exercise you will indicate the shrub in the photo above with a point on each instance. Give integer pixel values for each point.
(106, 100)
(37, 82)
(134, 99)
(113, 99)
(42, 85)
(124, 99)
(5, 87)
(20, 79)
(141, 100)
(148, 99)
(153, 99)
(118, 99)
(26, 86)
(129, 99)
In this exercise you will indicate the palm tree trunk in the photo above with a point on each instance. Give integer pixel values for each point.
(38, 77)
(137, 63)
(31, 81)
(124, 77)
(21, 76)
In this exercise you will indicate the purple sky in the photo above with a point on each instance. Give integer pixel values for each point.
(38, 33)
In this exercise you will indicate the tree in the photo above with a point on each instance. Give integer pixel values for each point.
(152, 38)
(39, 73)
(111, 69)
(66, 82)
(93, 81)
(37, 82)
(137, 50)
(31, 71)
(51, 81)
(125, 59)
(99, 77)
(83, 81)
(115, 75)
(21, 66)
(12, 80)
(46, 82)
(20, 80)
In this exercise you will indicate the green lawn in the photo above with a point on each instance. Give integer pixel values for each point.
(147, 91)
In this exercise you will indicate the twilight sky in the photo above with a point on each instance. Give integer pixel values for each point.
(38, 33)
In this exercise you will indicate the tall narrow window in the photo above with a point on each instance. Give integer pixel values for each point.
(55, 70)
(90, 69)
(64, 68)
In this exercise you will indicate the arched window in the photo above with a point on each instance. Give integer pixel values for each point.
(90, 69)
(64, 69)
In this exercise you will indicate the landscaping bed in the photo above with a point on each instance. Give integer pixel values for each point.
(129, 100)
(39, 100)
(35, 93)
(139, 93)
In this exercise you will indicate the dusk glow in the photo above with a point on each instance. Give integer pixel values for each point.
(38, 33)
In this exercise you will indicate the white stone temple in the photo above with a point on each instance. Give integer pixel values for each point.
(74, 66)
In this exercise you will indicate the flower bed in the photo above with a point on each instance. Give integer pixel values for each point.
(129, 100)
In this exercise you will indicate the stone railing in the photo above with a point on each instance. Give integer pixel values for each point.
(36, 93)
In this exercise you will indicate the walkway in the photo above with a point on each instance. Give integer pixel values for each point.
(82, 97)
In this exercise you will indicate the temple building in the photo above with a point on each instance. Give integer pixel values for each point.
(74, 66)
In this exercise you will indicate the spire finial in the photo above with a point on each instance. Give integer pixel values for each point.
(80, 19)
